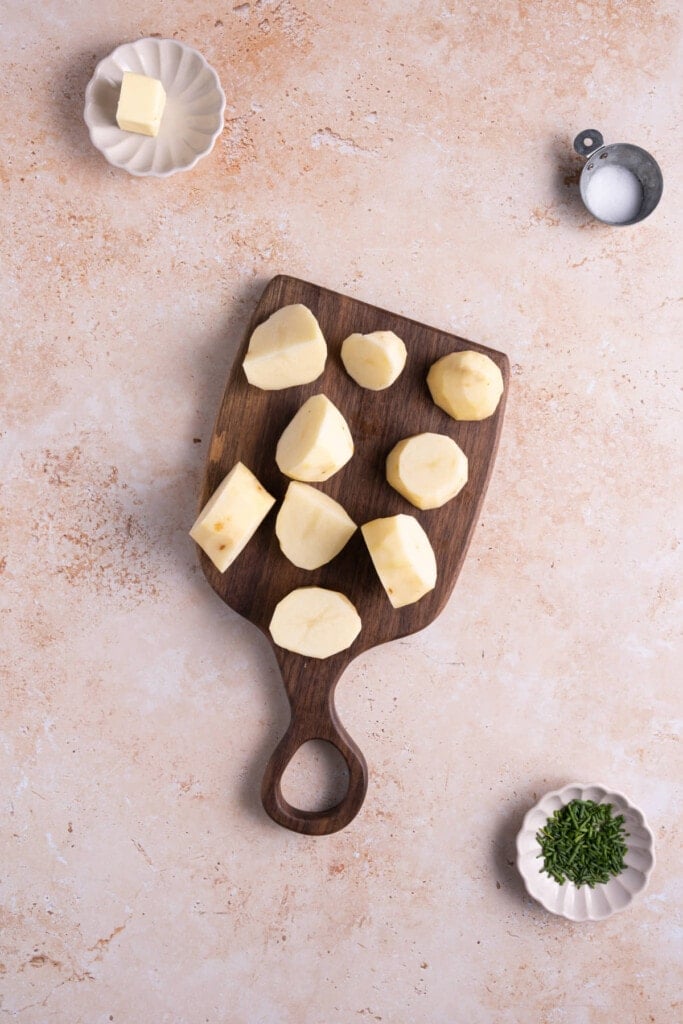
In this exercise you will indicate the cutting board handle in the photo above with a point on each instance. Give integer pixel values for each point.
(310, 687)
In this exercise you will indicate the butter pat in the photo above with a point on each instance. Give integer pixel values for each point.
(141, 104)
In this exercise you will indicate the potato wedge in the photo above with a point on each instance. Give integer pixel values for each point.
(231, 516)
(316, 443)
(427, 469)
(285, 350)
(312, 527)
(466, 385)
(403, 557)
(315, 622)
(374, 360)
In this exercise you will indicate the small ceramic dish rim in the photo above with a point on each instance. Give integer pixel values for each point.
(548, 884)
(97, 74)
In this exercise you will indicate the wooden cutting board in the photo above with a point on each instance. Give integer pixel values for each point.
(248, 426)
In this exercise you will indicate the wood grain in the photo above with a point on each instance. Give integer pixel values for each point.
(248, 426)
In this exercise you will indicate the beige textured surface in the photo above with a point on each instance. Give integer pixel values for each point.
(416, 155)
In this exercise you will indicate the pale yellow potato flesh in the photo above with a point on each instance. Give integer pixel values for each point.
(285, 350)
(374, 360)
(316, 443)
(315, 622)
(231, 516)
(312, 527)
(427, 469)
(403, 557)
(466, 385)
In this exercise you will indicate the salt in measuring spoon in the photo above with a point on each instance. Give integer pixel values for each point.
(620, 184)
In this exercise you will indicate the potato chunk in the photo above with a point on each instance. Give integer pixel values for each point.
(286, 349)
(231, 516)
(374, 360)
(316, 443)
(312, 527)
(315, 622)
(466, 385)
(427, 469)
(403, 557)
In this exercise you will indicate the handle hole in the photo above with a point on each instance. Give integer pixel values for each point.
(316, 778)
(588, 142)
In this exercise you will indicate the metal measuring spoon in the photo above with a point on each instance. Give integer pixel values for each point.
(620, 184)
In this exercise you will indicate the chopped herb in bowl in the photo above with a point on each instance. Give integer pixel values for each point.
(583, 843)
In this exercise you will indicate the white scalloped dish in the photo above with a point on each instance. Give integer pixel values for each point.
(193, 115)
(584, 903)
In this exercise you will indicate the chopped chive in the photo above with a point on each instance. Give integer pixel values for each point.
(582, 843)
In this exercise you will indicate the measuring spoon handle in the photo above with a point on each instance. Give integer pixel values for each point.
(586, 143)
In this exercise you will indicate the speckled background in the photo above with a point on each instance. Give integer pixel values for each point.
(417, 156)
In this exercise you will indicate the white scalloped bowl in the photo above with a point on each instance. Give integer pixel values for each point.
(585, 904)
(193, 115)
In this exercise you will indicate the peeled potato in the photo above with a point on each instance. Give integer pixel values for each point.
(231, 516)
(403, 557)
(466, 385)
(374, 360)
(286, 349)
(427, 469)
(315, 622)
(316, 443)
(312, 527)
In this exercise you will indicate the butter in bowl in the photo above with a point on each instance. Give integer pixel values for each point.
(154, 107)
(141, 104)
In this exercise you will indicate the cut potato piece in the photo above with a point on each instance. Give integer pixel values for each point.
(286, 349)
(231, 516)
(315, 622)
(312, 527)
(316, 443)
(427, 469)
(466, 385)
(374, 360)
(403, 557)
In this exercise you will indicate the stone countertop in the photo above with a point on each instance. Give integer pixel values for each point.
(417, 156)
